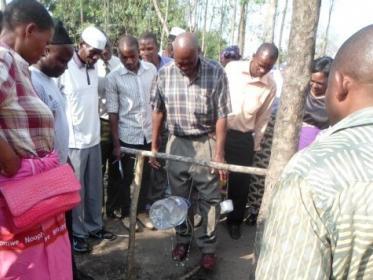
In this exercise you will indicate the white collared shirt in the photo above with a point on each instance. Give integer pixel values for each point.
(251, 99)
(80, 87)
(128, 95)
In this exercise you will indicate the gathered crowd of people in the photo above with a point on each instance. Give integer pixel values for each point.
(67, 108)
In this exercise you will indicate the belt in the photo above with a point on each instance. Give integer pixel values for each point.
(234, 131)
(192, 137)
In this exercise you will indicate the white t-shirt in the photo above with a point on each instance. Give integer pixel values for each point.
(48, 91)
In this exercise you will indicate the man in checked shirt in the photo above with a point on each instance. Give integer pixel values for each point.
(193, 92)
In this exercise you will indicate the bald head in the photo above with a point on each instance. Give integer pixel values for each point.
(186, 53)
(355, 57)
(350, 84)
(186, 41)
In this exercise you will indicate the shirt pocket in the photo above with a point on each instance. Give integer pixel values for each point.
(202, 100)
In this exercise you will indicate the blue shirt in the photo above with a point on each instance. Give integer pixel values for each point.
(164, 60)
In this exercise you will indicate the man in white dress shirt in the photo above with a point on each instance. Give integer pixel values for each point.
(128, 104)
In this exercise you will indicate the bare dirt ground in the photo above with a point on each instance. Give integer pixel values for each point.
(108, 259)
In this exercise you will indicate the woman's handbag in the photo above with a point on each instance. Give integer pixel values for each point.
(34, 199)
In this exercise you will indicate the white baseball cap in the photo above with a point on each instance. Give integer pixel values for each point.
(176, 31)
(94, 37)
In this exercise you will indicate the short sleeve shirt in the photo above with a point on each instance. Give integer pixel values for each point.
(192, 107)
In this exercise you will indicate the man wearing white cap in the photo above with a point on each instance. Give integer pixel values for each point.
(80, 85)
(175, 31)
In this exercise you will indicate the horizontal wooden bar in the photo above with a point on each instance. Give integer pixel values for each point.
(206, 163)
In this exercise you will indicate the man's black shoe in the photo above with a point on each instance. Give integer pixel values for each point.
(80, 245)
(234, 231)
(103, 234)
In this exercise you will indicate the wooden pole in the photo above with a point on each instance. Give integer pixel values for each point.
(2, 5)
(135, 187)
(206, 163)
(290, 115)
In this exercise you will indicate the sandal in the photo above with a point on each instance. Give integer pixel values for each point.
(103, 234)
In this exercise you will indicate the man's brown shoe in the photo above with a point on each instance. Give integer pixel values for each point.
(180, 252)
(208, 261)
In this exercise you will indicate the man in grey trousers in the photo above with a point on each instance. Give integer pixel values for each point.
(80, 85)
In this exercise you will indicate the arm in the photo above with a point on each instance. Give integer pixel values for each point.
(157, 120)
(112, 103)
(223, 105)
(262, 118)
(221, 131)
(113, 118)
(9, 161)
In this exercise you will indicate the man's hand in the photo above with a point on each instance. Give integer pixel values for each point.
(223, 174)
(154, 162)
(116, 152)
(10, 163)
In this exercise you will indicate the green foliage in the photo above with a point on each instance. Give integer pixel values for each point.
(115, 17)
(214, 44)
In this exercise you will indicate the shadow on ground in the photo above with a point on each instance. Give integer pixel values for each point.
(108, 259)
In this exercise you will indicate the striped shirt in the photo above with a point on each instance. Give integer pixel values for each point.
(192, 107)
(321, 219)
(128, 95)
(26, 122)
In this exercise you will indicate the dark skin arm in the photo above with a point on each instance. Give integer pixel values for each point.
(10, 163)
(115, 133)
(157, 121)
(221, 131)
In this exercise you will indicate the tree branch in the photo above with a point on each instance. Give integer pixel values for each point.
(160, 17)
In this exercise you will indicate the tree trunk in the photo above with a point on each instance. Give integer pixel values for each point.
(2, 5)
(160, 17)
(106, 22)
(81, 12)
(222, 13)
(242, 25)
(283, 21)
(289, 118)
(325, 44)
(271, 20)
(193, 15)
(163, 27)
(233, 28)
(204, 27)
